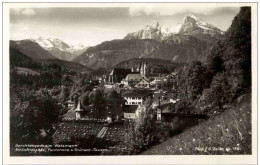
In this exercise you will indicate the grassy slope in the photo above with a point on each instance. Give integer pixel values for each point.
(72, 66)
(230, 129)
(26, 71)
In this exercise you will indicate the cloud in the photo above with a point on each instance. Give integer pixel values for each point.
(28, 11)
(23, 11)
(134, 11)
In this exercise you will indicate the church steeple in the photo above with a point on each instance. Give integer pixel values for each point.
(142, 68)
(78, 111)
(145, 66)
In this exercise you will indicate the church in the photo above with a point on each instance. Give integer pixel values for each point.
(136, 76)
(117, 74)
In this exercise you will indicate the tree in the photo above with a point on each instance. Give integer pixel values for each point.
(87, 87)
(98, 102)
(220, 92)
(64, 94)
(85, 100)
(31, 114)
(237, 58)
(196, 79)
(113, 95)
(142, 133)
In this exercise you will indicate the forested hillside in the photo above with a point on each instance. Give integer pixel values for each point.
(220, 88)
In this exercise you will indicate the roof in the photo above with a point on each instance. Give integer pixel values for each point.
(114, 111)
(70, 115)
(130, 108)
(135, 77)
(160, 78)
(141, 93)
(167, 108)
(69, 101)
(120, 71)
(78, 107)
(174, 73)
(144, 82)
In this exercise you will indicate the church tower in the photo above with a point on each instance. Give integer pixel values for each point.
(145, 68)
(78, 111)
(142, 69)
(139, 67)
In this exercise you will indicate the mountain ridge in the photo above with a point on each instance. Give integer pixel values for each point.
(189, 25)
(31, 49)
(59, 48)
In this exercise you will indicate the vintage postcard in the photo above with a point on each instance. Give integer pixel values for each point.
(130, 83)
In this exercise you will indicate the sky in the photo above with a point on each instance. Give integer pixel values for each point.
(91, 25)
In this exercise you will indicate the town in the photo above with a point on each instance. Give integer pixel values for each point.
(150, 91)
(131, 89)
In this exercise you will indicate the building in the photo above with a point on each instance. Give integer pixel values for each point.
(164, 97)
(159, 80)
(137, 97)
(133, 79)
(70, 104)
(117, 74)
(163, 110)
(143, 68)
(78, 111)
(130, 111)
(144, 83)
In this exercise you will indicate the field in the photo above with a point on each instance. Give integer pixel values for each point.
(26, 71)
(226, 133)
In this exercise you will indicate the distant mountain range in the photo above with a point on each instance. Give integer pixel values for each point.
(185, 42)
(189, 25)
(59, 48)
(28, 54)
(31, 49)
(112, 52)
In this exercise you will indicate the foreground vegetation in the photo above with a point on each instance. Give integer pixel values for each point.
(226, 133)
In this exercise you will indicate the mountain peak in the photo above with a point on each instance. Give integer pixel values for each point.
(59, 48)
(191, 16)
(154, 25)
(189, 25)
(193, 25)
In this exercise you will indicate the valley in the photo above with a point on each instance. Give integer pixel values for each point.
(139, 94)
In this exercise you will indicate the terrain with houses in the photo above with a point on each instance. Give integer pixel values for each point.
(151, 92)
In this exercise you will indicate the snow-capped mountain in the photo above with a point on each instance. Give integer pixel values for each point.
(59, 48)
(30, 49)
(189, 25)
(152, 31)
(192, 25)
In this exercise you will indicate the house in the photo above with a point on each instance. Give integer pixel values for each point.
(70, 104)
(132, 79)
(164, 97)
(144, 83)
(165, 109)
(117, 74)
(115, 109)
(136, 97)
(158, 80)
(130, 111)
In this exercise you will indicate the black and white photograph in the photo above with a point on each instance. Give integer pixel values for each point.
(117, 80)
